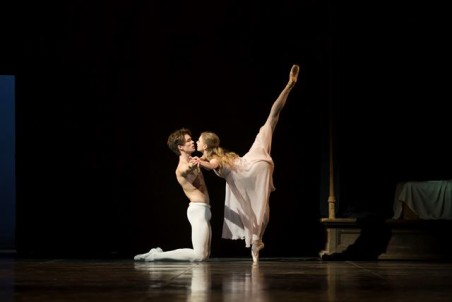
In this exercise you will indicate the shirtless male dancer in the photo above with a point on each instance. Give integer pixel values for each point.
(191, 179)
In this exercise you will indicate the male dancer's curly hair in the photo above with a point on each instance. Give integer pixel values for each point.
(176, 139)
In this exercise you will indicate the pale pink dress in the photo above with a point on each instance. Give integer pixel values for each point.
(248, 188)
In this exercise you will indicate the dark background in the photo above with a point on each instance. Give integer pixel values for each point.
(101, 84)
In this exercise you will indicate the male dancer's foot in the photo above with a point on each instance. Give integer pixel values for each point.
(142, 257)
(255, 248)
(151, 255)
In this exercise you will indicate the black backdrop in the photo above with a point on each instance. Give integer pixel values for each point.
(100, 85)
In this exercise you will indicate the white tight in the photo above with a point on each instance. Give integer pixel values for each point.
(198, 215)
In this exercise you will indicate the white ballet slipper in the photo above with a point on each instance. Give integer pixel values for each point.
(142, 257)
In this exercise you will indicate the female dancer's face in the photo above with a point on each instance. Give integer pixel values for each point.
(201, 145)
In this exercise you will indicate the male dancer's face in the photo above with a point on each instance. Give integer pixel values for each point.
(189, 146)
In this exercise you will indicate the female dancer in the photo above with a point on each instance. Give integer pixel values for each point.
(249, 178)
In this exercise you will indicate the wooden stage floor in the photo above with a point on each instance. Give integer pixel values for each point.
(223, 279)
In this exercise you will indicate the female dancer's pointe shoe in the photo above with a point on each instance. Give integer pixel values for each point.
(143, 256)
(294, 75)
(257, 246)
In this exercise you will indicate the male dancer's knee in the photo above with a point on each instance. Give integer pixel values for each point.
(201, 256)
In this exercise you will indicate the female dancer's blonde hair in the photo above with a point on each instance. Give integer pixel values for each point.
(213, 150)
